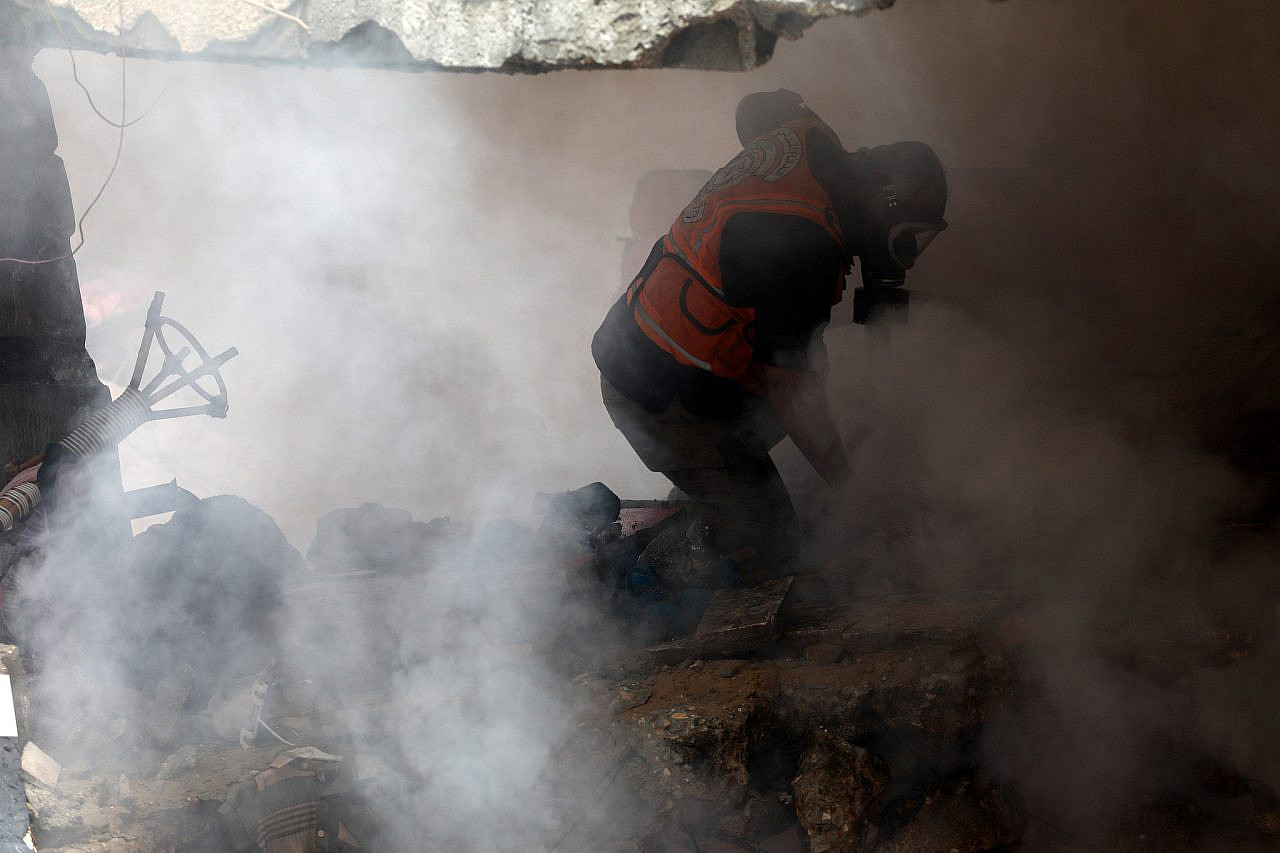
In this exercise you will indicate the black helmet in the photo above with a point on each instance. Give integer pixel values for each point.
(899, 202)
(761, 112)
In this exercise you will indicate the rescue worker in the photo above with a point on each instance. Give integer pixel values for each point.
(713, 354)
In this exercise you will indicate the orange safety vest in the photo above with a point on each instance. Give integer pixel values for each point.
(678, 301)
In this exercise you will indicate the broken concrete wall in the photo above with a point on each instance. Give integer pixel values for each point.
(46, 376)
(509, 35)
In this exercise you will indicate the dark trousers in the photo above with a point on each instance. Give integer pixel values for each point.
(723, 466)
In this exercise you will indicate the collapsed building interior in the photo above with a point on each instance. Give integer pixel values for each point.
(372, 608)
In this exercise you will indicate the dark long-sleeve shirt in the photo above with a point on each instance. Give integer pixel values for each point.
(786, 267)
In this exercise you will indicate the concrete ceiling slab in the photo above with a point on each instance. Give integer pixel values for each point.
(462, 35)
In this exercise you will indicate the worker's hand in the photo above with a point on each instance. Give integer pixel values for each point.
(800, 398)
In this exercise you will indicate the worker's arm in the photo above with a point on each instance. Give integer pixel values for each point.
(800, 398)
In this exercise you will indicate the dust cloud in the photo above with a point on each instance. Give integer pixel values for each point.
(412, 268)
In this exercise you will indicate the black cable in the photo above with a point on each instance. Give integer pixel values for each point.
(75, 75)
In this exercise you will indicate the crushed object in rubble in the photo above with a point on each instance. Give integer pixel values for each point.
(638, 516)
(40, 766)
(743, 619)
(269, 701)
(179, 762)
(735, 622)
(628, 698)
(124, 791)
(307, 753)
(221, 564)
(823, 653)
(56, 822)
(588, 507)
(966, 816)
(685, 557)
(837, 792)
(289, 807)
(760, 817)
(173, 691)
(373, 537)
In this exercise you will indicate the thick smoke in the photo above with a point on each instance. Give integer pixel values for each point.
(412, 267)
(1051, 425)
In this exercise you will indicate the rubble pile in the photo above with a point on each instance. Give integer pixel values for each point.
(373, 538)
(257, 720)
(832, 738)
(838, 789)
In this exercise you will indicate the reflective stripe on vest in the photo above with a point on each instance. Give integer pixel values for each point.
(679, 301)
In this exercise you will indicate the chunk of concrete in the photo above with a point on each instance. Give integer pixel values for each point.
(964, 816)
(735, 623)
(743, 619)
(179, 762)
(40, 766)
(510, 35)
(900, 620)
(837, 793)
(373, 537)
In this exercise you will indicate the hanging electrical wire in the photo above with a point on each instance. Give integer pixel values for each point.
(119, 125)
(75, 75)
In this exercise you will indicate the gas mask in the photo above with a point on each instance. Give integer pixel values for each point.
(897, 214)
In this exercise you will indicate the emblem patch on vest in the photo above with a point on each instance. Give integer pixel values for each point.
(789, 152)
(770, 158)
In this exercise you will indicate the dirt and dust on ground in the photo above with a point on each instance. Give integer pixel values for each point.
(268, 701)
